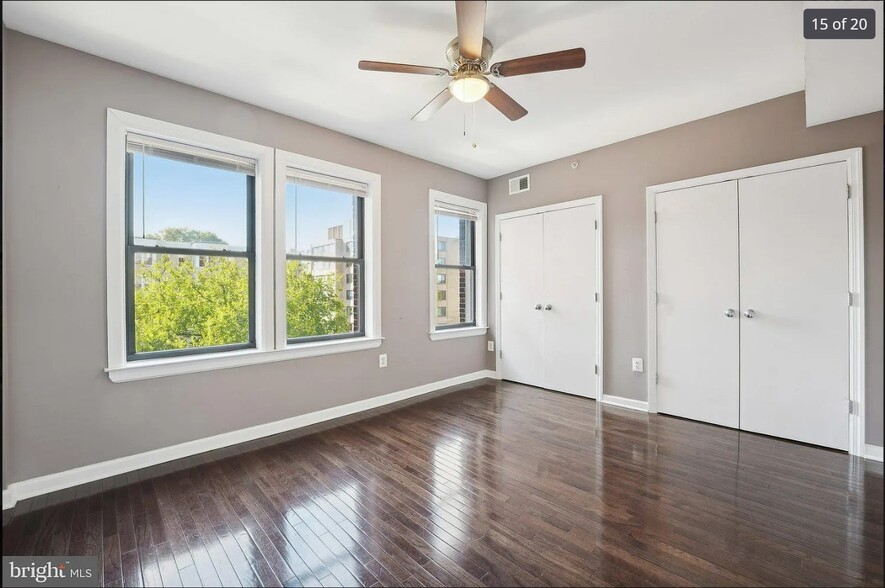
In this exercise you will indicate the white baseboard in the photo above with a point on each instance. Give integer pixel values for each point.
(625, 402)
(8, 500)
(873, 452)
(82, 475)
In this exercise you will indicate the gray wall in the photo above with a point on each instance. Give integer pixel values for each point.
(763, 133)
(4, 381)
(64, 412)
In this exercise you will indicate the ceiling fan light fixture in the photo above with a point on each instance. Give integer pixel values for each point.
(469, 87)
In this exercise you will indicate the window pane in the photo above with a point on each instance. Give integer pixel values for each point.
(181, 204)
(320, 300)
(321, 222)
(190, 301)
(454, 240)
(454, 297)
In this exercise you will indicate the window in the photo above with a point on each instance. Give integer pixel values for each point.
(327, 244)
(457, 233)
(190, 249)
(324, 260)
(225, 253)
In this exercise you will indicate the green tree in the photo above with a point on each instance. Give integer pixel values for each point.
(313, 306)
(185, 235)
(178, 305)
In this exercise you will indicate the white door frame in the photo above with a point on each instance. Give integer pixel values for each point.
(854, 295)
(594, 200)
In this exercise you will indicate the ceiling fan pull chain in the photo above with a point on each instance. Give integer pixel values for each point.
(474, 125)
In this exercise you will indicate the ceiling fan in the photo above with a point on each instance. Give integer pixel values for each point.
(469, 55)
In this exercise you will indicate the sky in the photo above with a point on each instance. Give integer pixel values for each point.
(447, 227)
(177, 194)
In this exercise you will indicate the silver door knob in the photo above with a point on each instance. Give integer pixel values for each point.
(548, 307)
(537, 307)
(729, 312)
(749, 313)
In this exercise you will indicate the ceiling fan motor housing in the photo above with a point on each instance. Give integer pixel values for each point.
(459, 64)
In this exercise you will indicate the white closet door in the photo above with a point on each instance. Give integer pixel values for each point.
(569, 300)
(794, 278)
(522, 297)
(697, 285)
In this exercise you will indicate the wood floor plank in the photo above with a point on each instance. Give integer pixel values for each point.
(131, 568)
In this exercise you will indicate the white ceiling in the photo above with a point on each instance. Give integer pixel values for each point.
(843, 78)
(650, 65)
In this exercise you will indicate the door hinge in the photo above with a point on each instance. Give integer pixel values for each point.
(850, 299)
(500, 237)
(656, 297)
(656, 216)
(596, 225)
(848, 190)
(596, 369)
(500, 296)
(500, 353)
(657, 378)
(596, 295)
(850, 407)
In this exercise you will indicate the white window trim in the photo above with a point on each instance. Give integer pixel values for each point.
(190, 364)
(479, 251)
(371, 243)
(267, 273)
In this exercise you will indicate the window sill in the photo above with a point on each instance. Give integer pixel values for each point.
(158, 368)
(458, 333)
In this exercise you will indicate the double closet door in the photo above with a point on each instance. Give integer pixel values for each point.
(548, 273)
(752, 304)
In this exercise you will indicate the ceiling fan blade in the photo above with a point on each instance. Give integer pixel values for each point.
(402, 68)
(504, 103)
(568, 59)
(471, 17)
(431, 107)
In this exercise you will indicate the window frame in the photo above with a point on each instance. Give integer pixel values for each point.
(357, 261)
(369, 248)
(479, 326)
(269, 266)
(132, 249)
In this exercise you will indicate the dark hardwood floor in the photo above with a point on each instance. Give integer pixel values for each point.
(494, 484)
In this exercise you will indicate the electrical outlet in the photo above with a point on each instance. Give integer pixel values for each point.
(382, 360)
(637, 364)
(491, 346)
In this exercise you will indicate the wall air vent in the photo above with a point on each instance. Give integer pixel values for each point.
(520, 184)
